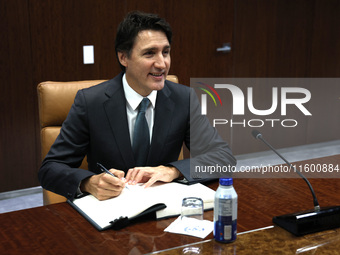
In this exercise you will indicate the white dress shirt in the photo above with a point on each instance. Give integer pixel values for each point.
(133, 99)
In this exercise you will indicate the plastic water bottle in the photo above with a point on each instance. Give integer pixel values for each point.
(225, 212)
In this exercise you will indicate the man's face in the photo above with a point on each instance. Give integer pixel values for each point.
(149, 62)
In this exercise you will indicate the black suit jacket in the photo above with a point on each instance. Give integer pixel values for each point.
(97, 126)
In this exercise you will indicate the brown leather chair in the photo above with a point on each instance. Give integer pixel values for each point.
(55, 101)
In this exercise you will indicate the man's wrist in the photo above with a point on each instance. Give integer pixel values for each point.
(82, 190)
(83, 185)
(178, 173)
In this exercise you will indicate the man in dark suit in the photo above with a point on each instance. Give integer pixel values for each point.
(101, 122)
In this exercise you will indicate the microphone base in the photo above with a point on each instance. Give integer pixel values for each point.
(306, 222)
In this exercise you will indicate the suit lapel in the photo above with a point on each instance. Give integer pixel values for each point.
(162, 123)
(115, 108)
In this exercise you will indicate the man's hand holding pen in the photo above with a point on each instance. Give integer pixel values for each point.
(104, 186)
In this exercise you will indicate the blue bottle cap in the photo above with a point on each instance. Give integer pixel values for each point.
(226, 181)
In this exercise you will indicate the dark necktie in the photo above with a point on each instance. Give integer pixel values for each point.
(141, 135)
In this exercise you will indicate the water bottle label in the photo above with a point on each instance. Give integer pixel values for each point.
(225, 207)
(227, 232)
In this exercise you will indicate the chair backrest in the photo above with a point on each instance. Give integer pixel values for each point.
(55, 101)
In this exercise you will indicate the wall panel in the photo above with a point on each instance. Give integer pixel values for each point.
(18, 124)
(325, 62)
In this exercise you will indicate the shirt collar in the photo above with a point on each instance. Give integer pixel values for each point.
(133, 98)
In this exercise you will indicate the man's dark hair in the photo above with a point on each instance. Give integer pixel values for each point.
(134, 23)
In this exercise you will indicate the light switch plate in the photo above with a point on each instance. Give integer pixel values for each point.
(88, 54)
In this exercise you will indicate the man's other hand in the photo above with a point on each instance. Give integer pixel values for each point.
(149, 175)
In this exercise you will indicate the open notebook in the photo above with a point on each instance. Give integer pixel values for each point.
(164, 199)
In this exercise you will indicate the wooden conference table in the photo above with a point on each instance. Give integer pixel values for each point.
(59, 229)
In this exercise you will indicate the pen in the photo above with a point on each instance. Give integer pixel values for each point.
(103, 168)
